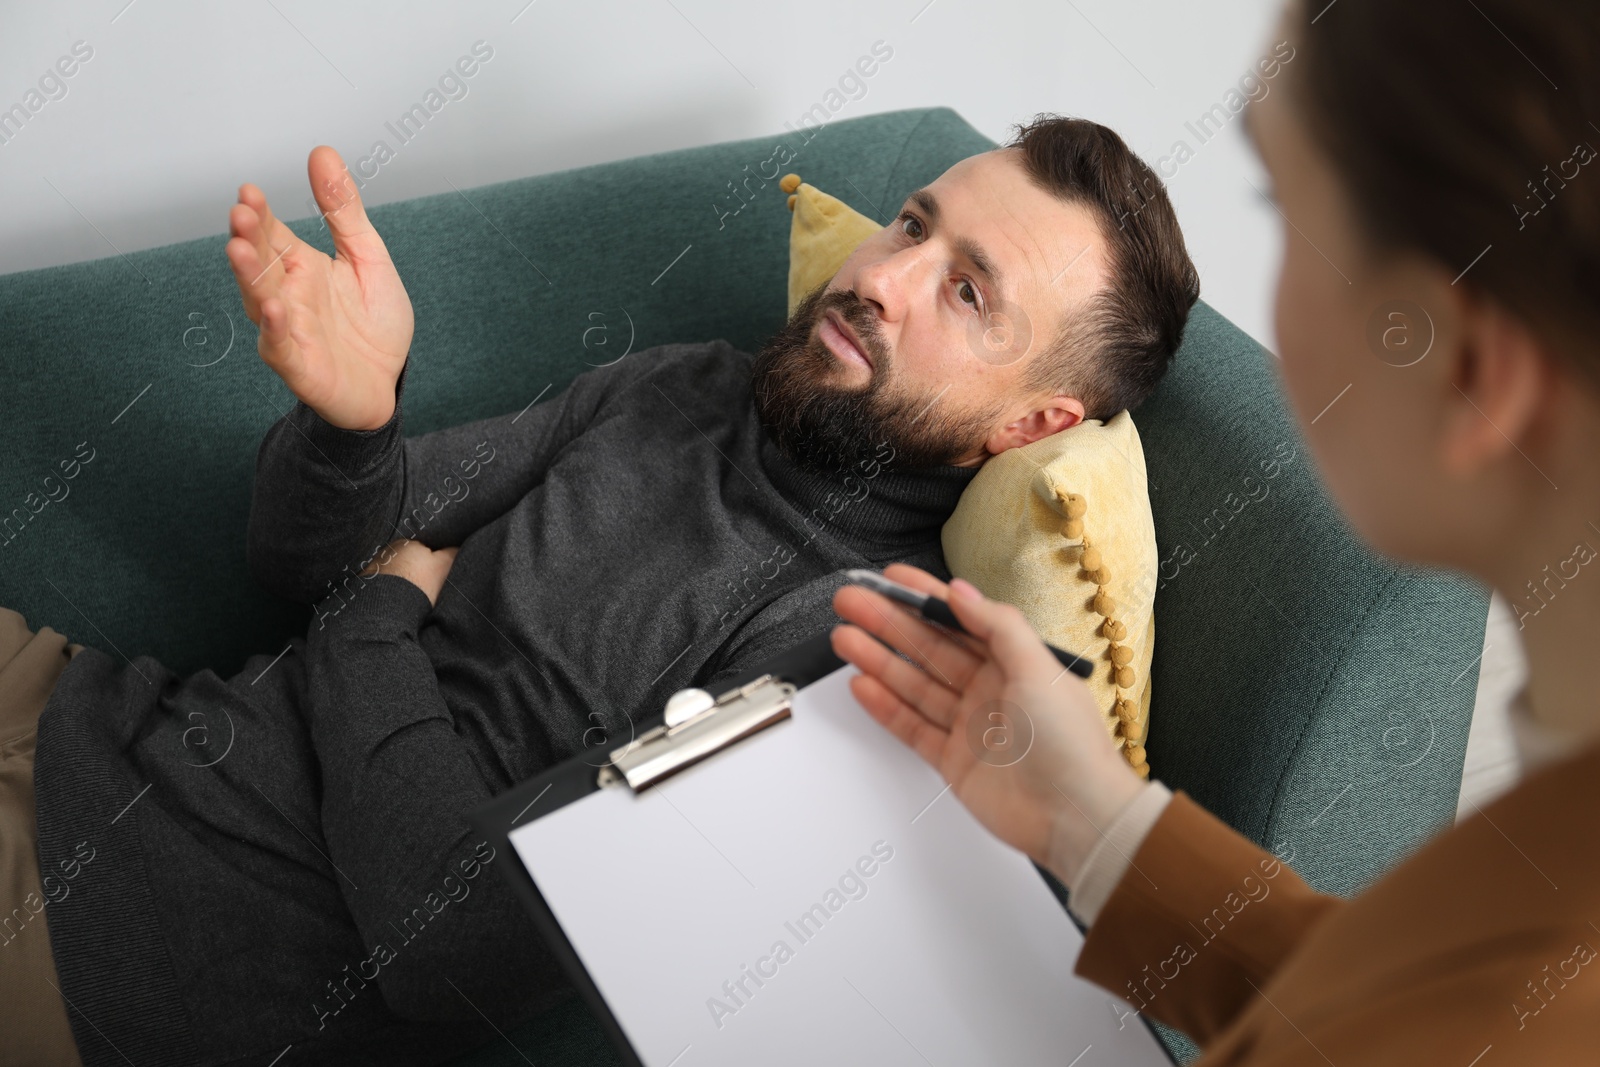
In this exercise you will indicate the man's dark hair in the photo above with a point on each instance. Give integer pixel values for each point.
(1113, 352)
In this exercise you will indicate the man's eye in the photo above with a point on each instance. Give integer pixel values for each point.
(911, 226)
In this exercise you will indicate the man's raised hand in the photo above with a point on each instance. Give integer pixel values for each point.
(335, 330)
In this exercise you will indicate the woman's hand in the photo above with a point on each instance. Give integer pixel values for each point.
(1017, 736)
(424, 567)
(335, 330)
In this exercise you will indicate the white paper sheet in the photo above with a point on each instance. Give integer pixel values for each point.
(686, 904)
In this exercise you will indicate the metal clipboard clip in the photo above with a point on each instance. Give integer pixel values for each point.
(697, 725)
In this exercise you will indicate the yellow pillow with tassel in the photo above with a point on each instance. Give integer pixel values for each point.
(1061, 528)
(822, 235)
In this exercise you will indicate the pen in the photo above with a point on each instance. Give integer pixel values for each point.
(935, 610)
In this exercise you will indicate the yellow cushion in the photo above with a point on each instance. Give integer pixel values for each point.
(1010, 534)
(822, 235)
(1008, 537)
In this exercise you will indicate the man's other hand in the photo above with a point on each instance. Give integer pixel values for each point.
(418, 564)
(335, 330)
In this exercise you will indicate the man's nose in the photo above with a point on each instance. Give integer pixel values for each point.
(887, 282)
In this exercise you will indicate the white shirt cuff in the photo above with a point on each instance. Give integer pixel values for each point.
(1108, 860)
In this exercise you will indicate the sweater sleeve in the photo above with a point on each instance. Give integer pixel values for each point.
(448, 939)
(1107, 861)
(326, 500)
(1200, 920)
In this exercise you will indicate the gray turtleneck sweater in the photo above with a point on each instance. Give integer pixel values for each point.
(281, 859)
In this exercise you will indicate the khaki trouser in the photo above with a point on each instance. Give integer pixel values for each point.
(33, 1017)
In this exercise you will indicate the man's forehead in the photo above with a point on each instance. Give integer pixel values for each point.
(1036, 245)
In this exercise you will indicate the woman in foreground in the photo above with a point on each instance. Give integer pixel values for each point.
(1438, 154)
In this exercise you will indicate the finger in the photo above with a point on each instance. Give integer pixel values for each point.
(934, 648)
(340, 203)
(246, 266)
(244, 224)
(277, 235)
(900, 719)
(1016, 647)
(275, 243)
(916, 578)
(276, 346)
(923, 582)
(246, 220)
(258, 280)
(258, 271)
(932, 700)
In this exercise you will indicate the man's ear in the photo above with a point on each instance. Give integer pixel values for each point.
(1501, 379)
(1059, 412)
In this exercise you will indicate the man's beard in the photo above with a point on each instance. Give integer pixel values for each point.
(821, 423)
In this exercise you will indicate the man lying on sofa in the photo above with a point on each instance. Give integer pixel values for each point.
(559, 571)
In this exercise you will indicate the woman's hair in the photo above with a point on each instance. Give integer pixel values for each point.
(1468, 129)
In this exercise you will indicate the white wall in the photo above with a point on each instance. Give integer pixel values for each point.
(181, 101)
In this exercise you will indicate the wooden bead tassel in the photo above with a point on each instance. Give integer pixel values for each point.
(1124, 721)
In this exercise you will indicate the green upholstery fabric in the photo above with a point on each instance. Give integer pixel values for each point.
(1311, 695)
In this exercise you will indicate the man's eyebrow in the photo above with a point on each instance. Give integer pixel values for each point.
(965, 246)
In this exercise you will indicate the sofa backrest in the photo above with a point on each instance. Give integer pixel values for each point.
(1309, 693)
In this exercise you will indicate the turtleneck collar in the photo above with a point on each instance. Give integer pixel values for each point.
(873, 506)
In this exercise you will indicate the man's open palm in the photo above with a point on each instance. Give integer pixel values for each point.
(335, 330)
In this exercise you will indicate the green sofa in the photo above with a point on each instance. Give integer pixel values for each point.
(1314, 696)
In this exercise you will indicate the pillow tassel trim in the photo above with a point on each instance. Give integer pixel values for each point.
(1128, 727)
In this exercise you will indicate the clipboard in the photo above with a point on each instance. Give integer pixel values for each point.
(683, 923)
